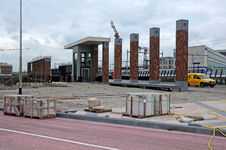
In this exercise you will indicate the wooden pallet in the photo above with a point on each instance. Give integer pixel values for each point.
(41, 117)
(98, 110)
(12, 114)
(140, 117)
(136, 116)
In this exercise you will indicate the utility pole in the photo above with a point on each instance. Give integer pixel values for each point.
(20, 74)
(162, 59)
(127, 60)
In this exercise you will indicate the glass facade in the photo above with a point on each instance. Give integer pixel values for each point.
(85, 59)
(217, 58)
(215, 64)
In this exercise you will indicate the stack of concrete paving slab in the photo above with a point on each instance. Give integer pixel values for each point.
(40, 108)
(147, 104)
(14, 104)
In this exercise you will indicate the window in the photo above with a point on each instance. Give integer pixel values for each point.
(215, 64)
(196, 77)
(75, 66)
(164, 62)
(213, 56)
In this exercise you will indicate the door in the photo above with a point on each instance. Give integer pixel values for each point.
(196, 80)
(85, 75)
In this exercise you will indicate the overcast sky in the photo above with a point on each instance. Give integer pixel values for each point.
(48, 25)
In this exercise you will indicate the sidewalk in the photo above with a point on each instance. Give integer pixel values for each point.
(200, 108)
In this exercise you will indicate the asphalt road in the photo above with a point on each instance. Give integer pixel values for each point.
(26, 134)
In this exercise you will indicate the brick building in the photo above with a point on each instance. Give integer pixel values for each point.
(39, 68)
(6, 69)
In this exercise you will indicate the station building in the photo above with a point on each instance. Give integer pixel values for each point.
(85, 58)
(205, 56)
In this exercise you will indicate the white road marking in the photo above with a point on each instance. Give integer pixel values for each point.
(58, 139)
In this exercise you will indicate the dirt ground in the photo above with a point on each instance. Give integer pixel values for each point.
(76, 94)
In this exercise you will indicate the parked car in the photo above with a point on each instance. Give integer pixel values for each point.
(199, 79)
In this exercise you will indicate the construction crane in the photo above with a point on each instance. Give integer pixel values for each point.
(13, 49)
(145, 51)
(116, 32)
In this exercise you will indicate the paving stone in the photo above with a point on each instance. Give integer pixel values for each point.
(167, 117)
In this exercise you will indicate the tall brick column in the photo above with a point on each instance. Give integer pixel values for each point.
(105, 62)
(118, 60)
(182, 54)
(94, 63)
(154, 56)
(66, 78)
(47, 70)
(28, 72)
(134, 38)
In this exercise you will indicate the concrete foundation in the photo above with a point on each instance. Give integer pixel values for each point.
(154, 82)
(183, 86)
(133, 81)
(117, 80)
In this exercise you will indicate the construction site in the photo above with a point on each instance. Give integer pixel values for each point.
(136, 98)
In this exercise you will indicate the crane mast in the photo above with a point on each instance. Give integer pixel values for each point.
(116, 32)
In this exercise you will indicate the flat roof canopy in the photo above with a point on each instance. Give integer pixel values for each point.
(39, 58)
(88, 41)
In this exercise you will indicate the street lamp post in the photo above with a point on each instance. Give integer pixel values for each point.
(20, 74)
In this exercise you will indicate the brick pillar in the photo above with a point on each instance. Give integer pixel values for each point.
(62, 79)
(154, 56)
(94, 63)
(28, 72)
(134, 38)
(105, 62)
(47, 69)
(118, 60)
(71, 79)
(182, 54)
(66, 79)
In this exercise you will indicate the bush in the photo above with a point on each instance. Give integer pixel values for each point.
(16, 79)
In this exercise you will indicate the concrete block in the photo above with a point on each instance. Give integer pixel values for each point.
(92, 102)
(181, 24)
(99, 107)
(186, 120)
(153, 81)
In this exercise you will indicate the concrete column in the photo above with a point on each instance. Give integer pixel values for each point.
(28, 72)
(182, 54)
(62, 79)
(105, 62)
(134, 39)
(94, 63)
(118, 60)
(154, 56)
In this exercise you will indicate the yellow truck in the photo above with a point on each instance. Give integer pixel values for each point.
(199, 79)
